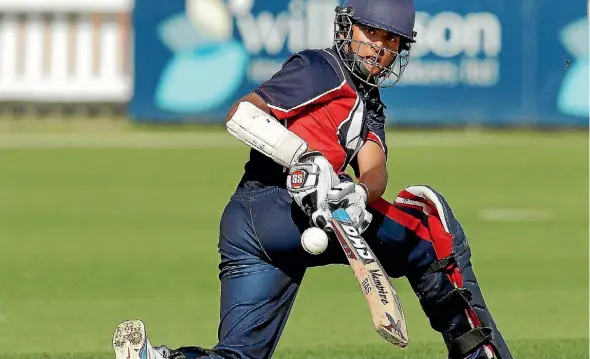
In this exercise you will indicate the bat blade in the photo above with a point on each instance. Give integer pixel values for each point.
(382, 299)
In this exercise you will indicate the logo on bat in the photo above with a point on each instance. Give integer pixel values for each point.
(395, 327)
(376, 275)
(366, 286)
(357, 242)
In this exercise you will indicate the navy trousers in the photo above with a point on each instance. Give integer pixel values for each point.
(263, 264)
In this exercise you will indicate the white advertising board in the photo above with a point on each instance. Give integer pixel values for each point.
(66, 51)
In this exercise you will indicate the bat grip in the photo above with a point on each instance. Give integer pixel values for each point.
(321, 221)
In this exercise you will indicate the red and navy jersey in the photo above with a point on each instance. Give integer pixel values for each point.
(314, 96)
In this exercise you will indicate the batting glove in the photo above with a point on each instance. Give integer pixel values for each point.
(309, 181)
(352, 197)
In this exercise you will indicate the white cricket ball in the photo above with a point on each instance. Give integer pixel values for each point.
(314, 240)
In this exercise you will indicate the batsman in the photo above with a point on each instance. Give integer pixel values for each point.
(318, 116)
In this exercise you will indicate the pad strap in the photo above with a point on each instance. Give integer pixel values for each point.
(441, 265)
(457, 300)
(466, 343)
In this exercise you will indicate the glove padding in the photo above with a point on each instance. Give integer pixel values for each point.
(353, 199)
(309, 181)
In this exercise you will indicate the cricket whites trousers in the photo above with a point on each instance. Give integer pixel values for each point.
(416, 236)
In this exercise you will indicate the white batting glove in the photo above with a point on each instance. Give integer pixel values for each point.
(352, 197)
(309, 181)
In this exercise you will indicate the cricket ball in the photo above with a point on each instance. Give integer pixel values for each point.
(314, 240)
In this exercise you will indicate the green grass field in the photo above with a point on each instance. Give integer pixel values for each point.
(100, 227)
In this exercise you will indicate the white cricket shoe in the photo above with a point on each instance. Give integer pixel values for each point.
(130, 341)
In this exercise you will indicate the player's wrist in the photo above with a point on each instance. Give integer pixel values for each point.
(363, 192)
(292, 146)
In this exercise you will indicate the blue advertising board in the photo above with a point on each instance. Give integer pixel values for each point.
(490, 63)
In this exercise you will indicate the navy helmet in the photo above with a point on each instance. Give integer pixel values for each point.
(394, 16)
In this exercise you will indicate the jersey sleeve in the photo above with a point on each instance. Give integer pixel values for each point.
(306, 79)
(376, 126)
(375, 133)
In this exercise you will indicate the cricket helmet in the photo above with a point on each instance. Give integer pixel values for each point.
(394, 16)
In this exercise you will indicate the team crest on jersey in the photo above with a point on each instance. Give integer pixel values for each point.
(298, 178)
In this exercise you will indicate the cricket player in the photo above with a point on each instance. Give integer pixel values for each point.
(321, 114)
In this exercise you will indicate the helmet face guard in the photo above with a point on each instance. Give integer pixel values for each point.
(348, 50)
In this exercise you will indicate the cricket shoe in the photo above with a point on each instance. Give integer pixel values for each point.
(130, 341)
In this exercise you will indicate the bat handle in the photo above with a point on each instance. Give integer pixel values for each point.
(322, 223)
(326, 226)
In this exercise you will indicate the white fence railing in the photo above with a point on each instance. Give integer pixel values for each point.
(65, 51)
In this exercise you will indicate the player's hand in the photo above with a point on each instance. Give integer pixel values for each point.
(352, 197)
(309, 181)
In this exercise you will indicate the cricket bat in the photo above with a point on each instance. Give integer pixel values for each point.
(383, 301)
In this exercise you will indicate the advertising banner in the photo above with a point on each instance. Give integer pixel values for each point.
(204, 54)
(476, 62)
